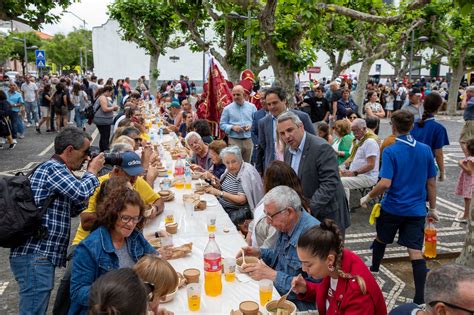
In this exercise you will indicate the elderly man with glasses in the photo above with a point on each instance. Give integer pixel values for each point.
(283, 210)
(448, 291)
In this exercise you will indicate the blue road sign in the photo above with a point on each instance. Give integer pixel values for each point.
(40, 63)
(40, 55)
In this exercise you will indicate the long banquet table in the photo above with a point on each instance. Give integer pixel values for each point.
(193, 228)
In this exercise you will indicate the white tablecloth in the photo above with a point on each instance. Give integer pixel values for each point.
(194, 229)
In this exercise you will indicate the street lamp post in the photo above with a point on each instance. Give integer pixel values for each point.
(234, 15)
(85, 39)
(420, 39)
(25, 51)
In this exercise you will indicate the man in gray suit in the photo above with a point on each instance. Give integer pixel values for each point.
(268, 148)
(314, 160)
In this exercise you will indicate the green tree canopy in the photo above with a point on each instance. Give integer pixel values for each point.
(32, 12)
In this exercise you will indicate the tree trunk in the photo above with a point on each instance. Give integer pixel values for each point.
(233, 74)
(362, 80)
(153, 72)
(458, 73)
(285, 79)
(337, 66)
(467, 254)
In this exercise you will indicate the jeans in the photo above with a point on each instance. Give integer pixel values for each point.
(31, 111)
(17, 124)
(35, 277)
(78, 116)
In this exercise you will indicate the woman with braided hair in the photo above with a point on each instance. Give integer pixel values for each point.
(347, 285)
(430, 132)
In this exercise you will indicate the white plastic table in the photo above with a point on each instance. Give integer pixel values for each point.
(193, 228)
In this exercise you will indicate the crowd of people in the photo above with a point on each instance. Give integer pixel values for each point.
(283, 175)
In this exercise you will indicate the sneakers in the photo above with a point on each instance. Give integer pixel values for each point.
(12, 146)
(21, 136)
(38, 130)
(28, 125)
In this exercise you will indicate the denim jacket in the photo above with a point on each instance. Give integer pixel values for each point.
(283, 257)
(95, 256)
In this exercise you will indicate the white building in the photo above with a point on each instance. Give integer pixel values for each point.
(116, 58)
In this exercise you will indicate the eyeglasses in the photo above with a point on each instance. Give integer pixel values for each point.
(270, 217)
(352, 117)
(127, 218)
(137, 139)
(433, 303)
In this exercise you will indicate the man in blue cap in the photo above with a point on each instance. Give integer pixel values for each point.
(176, 116)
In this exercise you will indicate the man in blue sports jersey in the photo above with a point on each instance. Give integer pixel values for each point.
(408, 177)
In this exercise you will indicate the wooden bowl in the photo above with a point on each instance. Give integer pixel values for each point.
(248, 260)
(289, 306)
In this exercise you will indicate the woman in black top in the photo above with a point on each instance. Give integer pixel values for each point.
(45, 107)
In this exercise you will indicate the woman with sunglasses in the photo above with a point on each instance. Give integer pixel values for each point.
(116, 243)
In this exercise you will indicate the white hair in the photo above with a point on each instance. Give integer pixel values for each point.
(235, 150)
(470, 88)
(121, 147)
(192, 134)
(289, 115)
(283, 197)
(360, 123)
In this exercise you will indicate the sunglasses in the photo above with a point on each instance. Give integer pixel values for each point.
(433, 303)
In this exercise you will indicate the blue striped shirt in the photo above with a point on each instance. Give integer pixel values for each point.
(54, 178)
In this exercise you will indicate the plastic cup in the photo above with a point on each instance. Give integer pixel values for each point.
(266, 290)
(167, 241)
(229, 269)
(189, 206)
(211, 222)
(169, 216)
(194, 296)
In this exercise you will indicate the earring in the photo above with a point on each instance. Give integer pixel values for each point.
(331, 268)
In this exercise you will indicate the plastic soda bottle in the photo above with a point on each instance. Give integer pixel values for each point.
(179, 168)
(430, 240)
(187, 177)
(212, 268)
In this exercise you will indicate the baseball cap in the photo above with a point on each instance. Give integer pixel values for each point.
(338, 80)
(174, 104)
(131, 164)
(414, 91)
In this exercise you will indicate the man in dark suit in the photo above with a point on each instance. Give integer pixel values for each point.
(314, 160)
(275, 99)
(257, 116)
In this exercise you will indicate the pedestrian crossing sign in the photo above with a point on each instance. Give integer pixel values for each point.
(40, 55)
(40, 63)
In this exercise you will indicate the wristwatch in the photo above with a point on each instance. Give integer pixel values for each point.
(222, 194)
(355, 173)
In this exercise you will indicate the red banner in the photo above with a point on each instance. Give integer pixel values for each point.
(218, 95)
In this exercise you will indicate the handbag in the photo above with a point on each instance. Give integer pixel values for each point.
(5, 127)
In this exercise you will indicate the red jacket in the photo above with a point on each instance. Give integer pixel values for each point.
(348, 297)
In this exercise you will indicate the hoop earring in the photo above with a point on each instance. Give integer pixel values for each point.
(331, 268)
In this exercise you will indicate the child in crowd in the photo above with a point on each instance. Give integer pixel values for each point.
(161, 276)
(466, 179)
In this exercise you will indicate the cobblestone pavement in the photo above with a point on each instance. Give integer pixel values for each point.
(394, 278)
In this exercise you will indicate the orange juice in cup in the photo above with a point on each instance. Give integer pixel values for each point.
(179, 185)
(194, 296)
(265, 290)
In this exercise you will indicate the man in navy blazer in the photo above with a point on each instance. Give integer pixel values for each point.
(257, 116)
(275, 99)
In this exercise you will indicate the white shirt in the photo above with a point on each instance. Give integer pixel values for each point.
(332, 287)
(29, 89)
(369, 148)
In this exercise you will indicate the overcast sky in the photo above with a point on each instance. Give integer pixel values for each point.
(94, 12)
